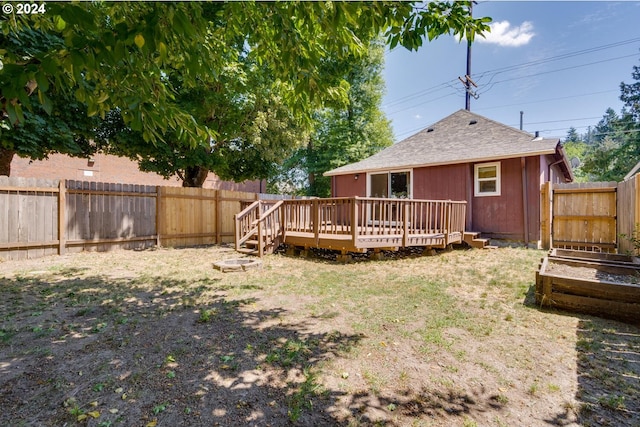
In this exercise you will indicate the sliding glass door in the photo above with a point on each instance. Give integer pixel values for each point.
(395, 185)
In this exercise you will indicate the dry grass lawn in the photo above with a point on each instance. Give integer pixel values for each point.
(158, 337)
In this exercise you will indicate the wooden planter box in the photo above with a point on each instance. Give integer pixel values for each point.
(606, 285)
(600, 258)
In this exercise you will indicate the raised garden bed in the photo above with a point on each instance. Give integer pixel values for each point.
(599, 257)
(606, 285)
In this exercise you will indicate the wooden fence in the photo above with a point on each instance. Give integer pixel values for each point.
(46, 217)
(628, 212)
(590, 216)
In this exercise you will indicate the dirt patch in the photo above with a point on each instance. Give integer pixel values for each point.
(159, 337)
(589, 273)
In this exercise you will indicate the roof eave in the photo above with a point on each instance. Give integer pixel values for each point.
(452, 162)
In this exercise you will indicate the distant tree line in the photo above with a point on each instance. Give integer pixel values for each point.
(612, 148)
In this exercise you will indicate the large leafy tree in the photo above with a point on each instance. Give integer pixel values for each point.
(245, 110)
(128, 57)
(343, 133)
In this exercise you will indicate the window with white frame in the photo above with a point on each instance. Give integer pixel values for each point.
(395, 185)
(487, 179)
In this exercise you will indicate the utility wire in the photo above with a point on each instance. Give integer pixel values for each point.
(519, 104)
(557, 70)
(558, 57)
(493, 73)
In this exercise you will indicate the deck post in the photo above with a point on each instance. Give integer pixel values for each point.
(447, 221)
(354, 221)
(405, 225)
(260, 241)
(316, 218)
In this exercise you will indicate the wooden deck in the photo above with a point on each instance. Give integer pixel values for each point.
(353, 224)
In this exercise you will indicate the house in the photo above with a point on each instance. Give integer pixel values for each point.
(496, 169)
(110, 168)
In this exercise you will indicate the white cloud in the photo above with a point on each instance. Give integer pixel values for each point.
(503, 34)
(417, 116)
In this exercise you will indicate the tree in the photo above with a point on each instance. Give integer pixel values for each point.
(244, 108)
(344, 133)
(122, 56)
(630, 95)
(572, 135)
(617, 137)
(576, 148)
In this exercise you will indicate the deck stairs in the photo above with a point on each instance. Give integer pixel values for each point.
(258, 230)
(471, 238)
(251, 246)
(262, 226)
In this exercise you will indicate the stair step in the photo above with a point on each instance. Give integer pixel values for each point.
(490, 247)
(248, 251)
(251, 243)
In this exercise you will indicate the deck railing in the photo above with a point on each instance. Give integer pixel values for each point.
(370, 218)
(260, 222)
(353, 223)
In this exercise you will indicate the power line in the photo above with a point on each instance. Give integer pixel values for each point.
(559, 57)
(497, 71)
(547, 100)
(517, 105)
(558, 70)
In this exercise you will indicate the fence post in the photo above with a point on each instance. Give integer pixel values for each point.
(62, 220)
(218, 211)
(545, 215)
(636, 216)
(159, 214)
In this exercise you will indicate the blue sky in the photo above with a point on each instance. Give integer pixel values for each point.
(561, 63)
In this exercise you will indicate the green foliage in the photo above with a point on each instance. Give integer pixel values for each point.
(634, 238)
(150, 61)
(343, 133)
(617, 147)
(577, 150)
(613, 155)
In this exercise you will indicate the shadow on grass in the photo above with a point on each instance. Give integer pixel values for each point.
(608, 371)
(608, 359)
(113, 352)
(104, 351)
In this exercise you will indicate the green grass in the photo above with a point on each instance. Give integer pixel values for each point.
(295, 320)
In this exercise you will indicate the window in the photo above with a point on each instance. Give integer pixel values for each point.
(396, 185)
(487, 179)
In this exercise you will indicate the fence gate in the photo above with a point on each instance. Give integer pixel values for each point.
(584, 216)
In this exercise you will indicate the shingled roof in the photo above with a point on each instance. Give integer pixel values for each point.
(462, 137)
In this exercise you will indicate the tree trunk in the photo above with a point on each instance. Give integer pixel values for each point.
(6, 156)
(194, 176)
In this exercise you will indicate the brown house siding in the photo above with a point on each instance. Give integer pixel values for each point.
(107, 168)
(441, 182)
(495, 216)
(348, 185)
(503, 216)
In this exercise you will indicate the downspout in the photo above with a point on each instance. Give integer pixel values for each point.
(525, 198)
(549, 171)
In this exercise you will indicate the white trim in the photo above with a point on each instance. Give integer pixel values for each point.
(389, 172)
(477, 180)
